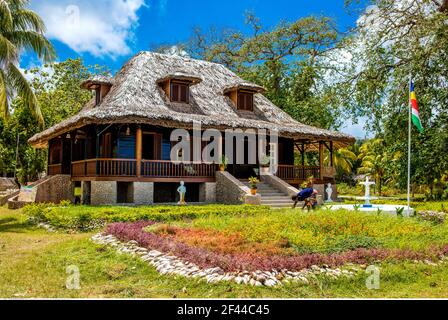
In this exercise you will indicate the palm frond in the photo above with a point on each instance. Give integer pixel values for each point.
(8, 52)
(5, 14)
(24, 90)
(34, 41)
(4, 107)
(24, 19)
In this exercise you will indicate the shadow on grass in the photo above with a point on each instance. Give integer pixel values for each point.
(12, 224)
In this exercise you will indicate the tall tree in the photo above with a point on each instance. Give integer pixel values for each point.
(284, 59)
(20, 29)
(394, 40)
(58, 92)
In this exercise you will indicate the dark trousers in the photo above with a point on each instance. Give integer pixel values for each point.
(309, 203)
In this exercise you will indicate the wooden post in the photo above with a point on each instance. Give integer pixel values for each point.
(72, 136)
(138, 151)
(97, 150)
(331, 154)
(321, 160)
(302, 152)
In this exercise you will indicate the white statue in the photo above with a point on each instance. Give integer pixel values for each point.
(329, 191)
(182, 191)
(367, 185)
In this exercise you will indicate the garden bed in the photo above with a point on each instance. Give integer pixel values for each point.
(86, 218)
(287, 241)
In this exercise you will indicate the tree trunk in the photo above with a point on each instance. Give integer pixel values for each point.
(444, 6)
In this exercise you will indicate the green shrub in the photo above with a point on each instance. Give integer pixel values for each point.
(85, 218)
(352, 242)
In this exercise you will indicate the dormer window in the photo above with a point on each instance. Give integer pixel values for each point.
(245, 100)
(100, 84)
(97, 96)
(179, 91)
(177, 86)
(242, 95)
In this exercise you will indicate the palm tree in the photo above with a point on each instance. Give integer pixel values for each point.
(373, 160)
(343, 160)
(20, 29)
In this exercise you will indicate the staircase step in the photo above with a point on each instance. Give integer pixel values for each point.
(271, 196)
(275, 202)
(275, 198)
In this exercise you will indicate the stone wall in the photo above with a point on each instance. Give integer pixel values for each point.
(103, 192)
(143, 193)
(278, 183)
(55, 189)
(229, 190)
(85, 192)
(207, 192)
(8, 184)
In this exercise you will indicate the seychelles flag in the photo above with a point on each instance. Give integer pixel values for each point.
(415, 114)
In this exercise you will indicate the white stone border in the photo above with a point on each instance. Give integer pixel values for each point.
(168, 264)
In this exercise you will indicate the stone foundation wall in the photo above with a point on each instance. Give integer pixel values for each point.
(229, 190)
(55, 189)
(103, 192)
(143, 193)
(85, 192)
(207, 192)
(278, 184)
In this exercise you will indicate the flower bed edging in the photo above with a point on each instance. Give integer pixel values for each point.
(168, 264)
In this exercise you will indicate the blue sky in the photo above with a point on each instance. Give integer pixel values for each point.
(109, 32)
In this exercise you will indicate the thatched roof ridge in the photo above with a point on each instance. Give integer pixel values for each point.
(97, 80)
(244, 85)
(179, 75)
(135, 97)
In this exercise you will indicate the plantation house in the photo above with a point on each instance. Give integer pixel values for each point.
(117, 148)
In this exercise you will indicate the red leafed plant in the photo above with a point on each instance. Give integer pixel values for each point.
(251, 261)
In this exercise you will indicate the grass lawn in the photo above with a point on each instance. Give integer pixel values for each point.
(33, 264)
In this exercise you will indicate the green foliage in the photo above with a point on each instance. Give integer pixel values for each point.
(20, 30)
(399, 211)
(58, 92)
(352, 242)
(387, 48)
(84, 218)
(253, 181)
(326, 232)
(283, 59)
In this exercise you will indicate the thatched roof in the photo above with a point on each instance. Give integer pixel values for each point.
(97, 80)
(244, 85)
(135, 97)
(179, 75)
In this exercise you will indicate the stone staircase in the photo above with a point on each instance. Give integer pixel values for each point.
(271, 196)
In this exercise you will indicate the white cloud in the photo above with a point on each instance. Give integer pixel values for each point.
(101, 27)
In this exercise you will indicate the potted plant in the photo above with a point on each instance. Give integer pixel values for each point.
(253, 181)
(265, 162)
(223, 163)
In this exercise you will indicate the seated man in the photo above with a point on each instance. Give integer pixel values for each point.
(308, 195)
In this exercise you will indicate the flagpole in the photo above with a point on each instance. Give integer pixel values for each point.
(409, 148)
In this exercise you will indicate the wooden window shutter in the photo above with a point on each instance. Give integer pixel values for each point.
(183, 93)
(249, 102)
(157, 146)
(174, 92)
(240, 101)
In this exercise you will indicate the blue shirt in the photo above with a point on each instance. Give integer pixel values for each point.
(305, 193)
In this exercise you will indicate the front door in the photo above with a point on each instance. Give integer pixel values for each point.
(151, 146)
